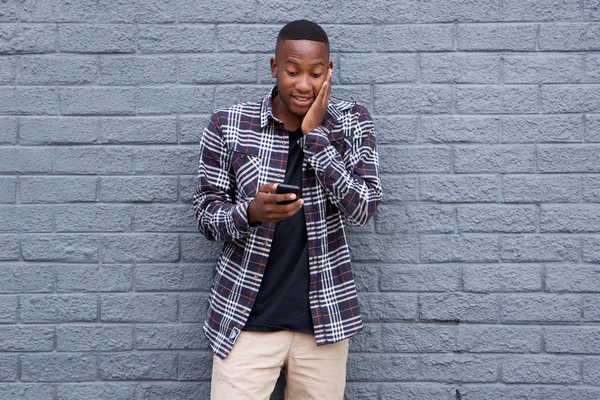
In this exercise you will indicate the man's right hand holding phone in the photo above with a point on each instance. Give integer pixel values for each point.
(265, 207)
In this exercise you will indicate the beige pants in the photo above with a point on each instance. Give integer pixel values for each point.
(251, 370)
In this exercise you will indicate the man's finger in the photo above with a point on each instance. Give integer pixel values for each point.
(268, 188)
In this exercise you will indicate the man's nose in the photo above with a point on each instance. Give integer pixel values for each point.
(303, 84)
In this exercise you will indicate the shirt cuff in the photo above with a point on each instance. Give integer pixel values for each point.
(240, 217)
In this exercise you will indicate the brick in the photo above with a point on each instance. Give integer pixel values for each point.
(419, 278)
(591, 10)
(543, 369)
(459, 307)
(178, 39)
(9, 13)
(460, 368)
(138, 70)
(592, 128)
(8, 130)
(413, 38)
(571, 98)
(541, 129)
(193, 308)
(58, 308)
(369, 340)
(44, 130)
(399, 188)
(499, 339)
(414, 391)
(157, 308)
(57, 70)
(8, 309)
(540, 308)
(459, 189)
(28, 101)
(591, 71)
(27, 38)
(413, 99)
(569, 37)
(66, 247)
(24, 160)
(460, 11)
(361, 94)
(8, 368)
(258, 38)
(175, 391)
(8, 70)
(191, 127)
(148, 247)
(531, 10)
(568, 392)
(99, 218)
(361, 391)
(496, 99)
(380, 68)
(459, 68)
(522, 248)
(26, 338)
(195, 366)
(388, 307)
(149, 130)
(418, 338)
(382, 367)
(574, 218)
(138, 189)
(225, 96)
(542, 69)
(384, 248)
(166, 160)
(591, 371)
(146, 366)
(97, 101)
(396, 12)
(14, 218)
(568, 158)
(97, 391)
(93, 278)
(496, 37)
(196, 248)
(25, 391)
(55, 189)
(572, 278)
(187, 188)
(347, 38)
(58, 367)
(20, 278)
(393, 129)
(591, 189)
(411, 159)
(173, 337)
(78, 38)
(502, 278)
(9, 189)
(541, 189)
(590, 249)
(94, 338)
(93, 160)
(159, 218)
(9, 247)
(171, 100)
(218, 68)
(580, 340)
(366, 277)
(496, 219)
(458, 248)
(282, 11)
(496, 159)
(423, 218)
(237, 11)
(180, 277)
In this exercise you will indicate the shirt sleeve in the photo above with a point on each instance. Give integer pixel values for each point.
(219, 216)
(352, 185)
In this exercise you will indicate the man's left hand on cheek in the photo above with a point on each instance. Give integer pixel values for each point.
(315, 114)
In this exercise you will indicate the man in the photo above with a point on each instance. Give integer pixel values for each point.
(283, 296)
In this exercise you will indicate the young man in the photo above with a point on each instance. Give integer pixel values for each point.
(283, 294)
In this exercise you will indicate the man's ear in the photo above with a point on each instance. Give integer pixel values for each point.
(273, 67)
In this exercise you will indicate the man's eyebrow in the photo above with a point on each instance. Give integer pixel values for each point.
(297, 63)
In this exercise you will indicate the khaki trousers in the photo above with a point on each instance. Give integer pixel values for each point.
(251, 370)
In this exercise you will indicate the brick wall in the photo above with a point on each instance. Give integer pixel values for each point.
(478, 277)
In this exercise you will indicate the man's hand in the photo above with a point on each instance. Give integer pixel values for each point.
(264, 207)
(316, 112)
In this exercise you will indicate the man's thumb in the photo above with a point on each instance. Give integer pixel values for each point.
(267, 188)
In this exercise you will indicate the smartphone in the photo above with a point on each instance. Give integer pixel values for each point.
(283, 189)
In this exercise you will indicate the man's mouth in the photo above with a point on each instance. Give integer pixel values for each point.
(302, 101)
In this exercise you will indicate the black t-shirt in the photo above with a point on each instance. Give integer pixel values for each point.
(282, 301)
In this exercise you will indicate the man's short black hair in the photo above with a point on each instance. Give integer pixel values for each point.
(303, 30)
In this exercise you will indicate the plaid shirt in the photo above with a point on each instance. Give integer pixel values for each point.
(244, 147)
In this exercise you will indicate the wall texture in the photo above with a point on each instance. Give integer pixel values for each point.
(478, 277)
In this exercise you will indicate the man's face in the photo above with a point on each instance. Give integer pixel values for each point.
(300, 67)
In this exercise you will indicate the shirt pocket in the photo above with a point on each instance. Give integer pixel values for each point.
(246, 168)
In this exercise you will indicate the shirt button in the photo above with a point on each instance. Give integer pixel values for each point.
(278, 176)
(244, 312)
(305, 147)
(283, 142)
(255, 276)
(266, 243)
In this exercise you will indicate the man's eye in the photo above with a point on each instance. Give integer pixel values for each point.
(316, 75)
(292, 73)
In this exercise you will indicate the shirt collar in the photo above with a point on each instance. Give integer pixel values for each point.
(335, 109)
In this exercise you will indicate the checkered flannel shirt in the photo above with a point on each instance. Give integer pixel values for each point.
(244, 147)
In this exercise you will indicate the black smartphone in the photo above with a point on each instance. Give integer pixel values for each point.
(283, 189)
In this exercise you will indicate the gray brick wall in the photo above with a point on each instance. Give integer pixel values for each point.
(478, 277)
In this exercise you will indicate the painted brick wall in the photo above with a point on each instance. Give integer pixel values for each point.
(478, 277)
